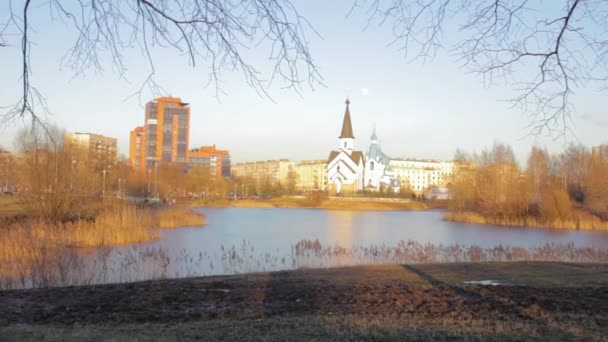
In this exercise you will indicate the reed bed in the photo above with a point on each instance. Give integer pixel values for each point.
(38, 253)
(175, 217)
(582, 221)
(51, 266)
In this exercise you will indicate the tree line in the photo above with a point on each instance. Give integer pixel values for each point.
(551, 187)
(59, 180)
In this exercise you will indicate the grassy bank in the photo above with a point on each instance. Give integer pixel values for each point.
(317, 203)
(39, 252)
(582, 221)
(538, 301)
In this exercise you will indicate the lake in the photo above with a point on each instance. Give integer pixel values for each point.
(240, 240)
(278, 228)
(237, 240)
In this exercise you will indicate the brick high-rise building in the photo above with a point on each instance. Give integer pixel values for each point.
(137, 156)
(166, 131)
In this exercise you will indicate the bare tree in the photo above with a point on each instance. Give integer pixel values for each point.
(545, 49)
(216, 33)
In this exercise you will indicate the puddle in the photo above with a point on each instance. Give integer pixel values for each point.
(483, 282)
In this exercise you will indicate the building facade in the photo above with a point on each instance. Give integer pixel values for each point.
(378, 174)
(218, 161)
(98, 151)
(600, 151)
(311, 175)
(422, 175)
(166, 131)
(345, 166)
(276, 171)
(137, 156)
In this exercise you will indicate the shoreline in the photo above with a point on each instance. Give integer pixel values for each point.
(337, 203)
(395, 302)
(570, 225)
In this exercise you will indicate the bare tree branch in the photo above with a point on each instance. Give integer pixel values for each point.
(215, 33)
(542, 48)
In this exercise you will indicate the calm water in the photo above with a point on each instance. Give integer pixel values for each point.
(279, 228)
(237, 240)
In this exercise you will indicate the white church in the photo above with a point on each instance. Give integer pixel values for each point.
(345, 166)
(350, 171)
(378, 174)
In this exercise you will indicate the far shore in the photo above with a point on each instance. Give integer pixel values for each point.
(584, 222)
(331, 203)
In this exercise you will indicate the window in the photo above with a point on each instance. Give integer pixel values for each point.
(371, 166)
(345, 144)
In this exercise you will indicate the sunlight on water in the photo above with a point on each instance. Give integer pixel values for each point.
(239, 240)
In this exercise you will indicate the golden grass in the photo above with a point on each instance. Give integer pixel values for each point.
(32, 248)
(10, 205)
(175, 217)
(583, 221)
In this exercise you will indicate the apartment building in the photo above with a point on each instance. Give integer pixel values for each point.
(311, 175)
(277, 171)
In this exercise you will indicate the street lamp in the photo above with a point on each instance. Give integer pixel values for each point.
(155, 173)
(149, 176)
(6, 175)
(119, 193)
(103, 189)
(72, 178)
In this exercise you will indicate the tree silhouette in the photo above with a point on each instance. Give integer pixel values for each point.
(544, 49)
(215, 33)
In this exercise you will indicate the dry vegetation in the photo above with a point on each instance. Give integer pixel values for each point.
(568, 191)
(37, 252)
(580, 221)
(47, 265)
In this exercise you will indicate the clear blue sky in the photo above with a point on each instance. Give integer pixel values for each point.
(420, 110)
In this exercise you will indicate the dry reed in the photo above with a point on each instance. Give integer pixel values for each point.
(51, 266)
(37, 253)
(582, 221)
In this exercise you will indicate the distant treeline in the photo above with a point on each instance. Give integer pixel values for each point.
(567, 190)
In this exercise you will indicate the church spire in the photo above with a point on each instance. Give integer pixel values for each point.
(374, 138)
(347, 127)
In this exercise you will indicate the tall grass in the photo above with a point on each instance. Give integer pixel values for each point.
(48, 265)
(36, 252)
(581, 220)
(175, 217)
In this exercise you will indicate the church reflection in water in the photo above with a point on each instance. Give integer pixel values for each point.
(350, 228)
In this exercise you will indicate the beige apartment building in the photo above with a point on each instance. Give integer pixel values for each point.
(422, 175)
(277, 171)
(311, 175)
(99, 151)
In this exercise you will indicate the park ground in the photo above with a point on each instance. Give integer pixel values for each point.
(534, 301)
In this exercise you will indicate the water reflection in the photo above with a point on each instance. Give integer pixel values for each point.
(340, 226)
(237, 240)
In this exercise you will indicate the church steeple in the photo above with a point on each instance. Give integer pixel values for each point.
(374, 138)
(347, 127)
(346, 138)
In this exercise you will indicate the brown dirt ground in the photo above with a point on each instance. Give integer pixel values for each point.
(539, 301)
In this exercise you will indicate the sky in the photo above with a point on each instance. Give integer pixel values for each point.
(420, 110)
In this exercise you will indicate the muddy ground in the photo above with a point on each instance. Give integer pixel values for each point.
(535, 301)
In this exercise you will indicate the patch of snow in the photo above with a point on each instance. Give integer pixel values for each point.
(483, 282)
